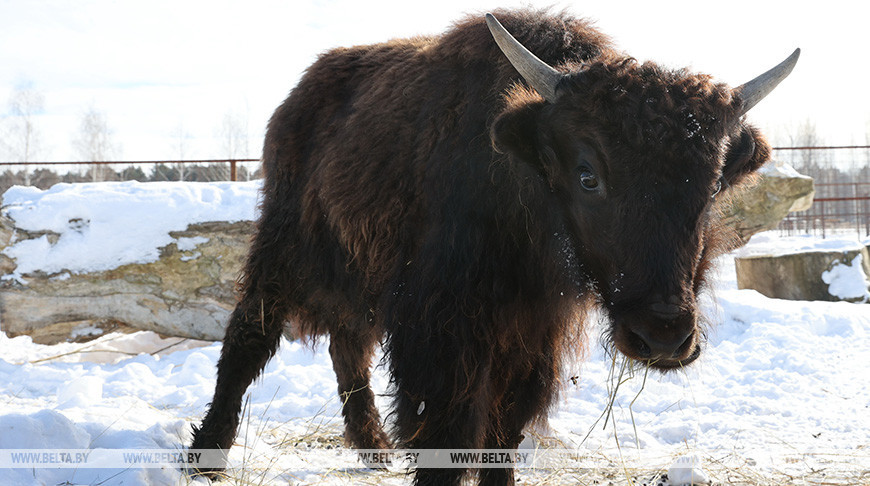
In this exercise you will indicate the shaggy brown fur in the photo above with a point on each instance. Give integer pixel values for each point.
(418, 194)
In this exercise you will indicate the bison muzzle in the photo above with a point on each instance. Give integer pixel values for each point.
(465, 202)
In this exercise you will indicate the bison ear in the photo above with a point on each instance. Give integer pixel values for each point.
(746, 153)
(515, 131)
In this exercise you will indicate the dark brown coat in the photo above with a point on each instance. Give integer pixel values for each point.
(418, 194)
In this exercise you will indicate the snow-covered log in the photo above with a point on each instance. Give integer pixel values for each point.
(81, 259)
(831, 270)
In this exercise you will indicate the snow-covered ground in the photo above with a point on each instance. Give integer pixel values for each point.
(780, 395)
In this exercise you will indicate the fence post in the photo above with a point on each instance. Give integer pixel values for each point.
(823, 218)
(233, 170)
(866, 218)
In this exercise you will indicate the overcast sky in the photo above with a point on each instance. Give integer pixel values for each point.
(153, 66)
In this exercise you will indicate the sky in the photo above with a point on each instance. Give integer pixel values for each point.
(163, 71)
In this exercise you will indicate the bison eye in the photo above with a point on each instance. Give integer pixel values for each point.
(588, 180)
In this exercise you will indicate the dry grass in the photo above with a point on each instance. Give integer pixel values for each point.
(280, 454)
(730, 469)
(293, 452)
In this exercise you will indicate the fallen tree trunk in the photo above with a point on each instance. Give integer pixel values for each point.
(188, 291)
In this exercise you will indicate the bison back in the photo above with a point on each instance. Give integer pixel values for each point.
(383, 150)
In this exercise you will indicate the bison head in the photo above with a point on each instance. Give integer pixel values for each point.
(637, 156)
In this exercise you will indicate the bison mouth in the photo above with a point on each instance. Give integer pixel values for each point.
(673, 364)
(639, 352)
(662, 340)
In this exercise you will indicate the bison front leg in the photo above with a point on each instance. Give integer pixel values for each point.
(526, 396)
(251, 338)
(442, 396)
(439, 427)
(351, 354)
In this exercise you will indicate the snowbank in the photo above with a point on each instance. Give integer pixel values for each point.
(771, 243)
(105, 225)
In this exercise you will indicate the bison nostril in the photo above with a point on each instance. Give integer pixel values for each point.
(684, 348)
(640, 346)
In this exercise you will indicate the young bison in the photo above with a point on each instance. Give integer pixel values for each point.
(464, 203)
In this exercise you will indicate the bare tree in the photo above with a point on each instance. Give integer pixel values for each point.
(233, 133)
(867, 142)
(94, 143)
(806, 135)
(179, 143)
(22, 137)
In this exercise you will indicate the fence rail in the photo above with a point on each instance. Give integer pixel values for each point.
(232, 162)
(824, 147)
(825, 217)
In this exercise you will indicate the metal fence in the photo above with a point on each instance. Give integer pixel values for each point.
(46, 174)
(837, 208)
(65, 167)
(841, 176)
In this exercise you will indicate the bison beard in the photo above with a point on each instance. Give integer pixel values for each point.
(420, 194)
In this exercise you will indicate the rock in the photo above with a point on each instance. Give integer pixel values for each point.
(7, 236)
(187, 292)
(812, 275)
(779, 191)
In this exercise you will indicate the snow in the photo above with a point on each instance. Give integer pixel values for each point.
(105, 225)
(779, 168)
(781, 390)
(847, 281)
(769, 243)
(687, 470)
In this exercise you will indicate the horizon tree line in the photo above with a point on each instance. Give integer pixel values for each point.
(21, 141)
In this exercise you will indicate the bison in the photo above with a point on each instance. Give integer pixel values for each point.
(464, 200)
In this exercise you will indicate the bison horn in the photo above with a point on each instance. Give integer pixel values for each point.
(536, 72)
(754, 91)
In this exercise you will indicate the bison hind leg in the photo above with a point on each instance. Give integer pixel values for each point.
(251, 339)
(351, 352)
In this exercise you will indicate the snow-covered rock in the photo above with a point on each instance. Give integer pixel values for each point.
(807, 269)
(82, 259)
(779, 191)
